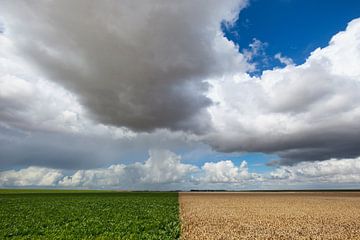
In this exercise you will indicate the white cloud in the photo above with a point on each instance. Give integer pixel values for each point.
(256, 54)
(283, 59)
(305, 112)
(162, 167)
(256, 48)
(329, 171)
(226, 172)
(31, 176)
(112, 176)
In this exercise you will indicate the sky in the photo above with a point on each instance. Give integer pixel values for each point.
(169, 95)
(293, 28)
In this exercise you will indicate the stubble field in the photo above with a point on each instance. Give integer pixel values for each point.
(299, 215)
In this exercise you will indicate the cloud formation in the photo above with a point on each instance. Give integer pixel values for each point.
(329, 171)
(30, 103)
(165, 170)
(31, 176)
(80, 94)
(139, 65)
(303, 113)
(162, 167)
(227, 172)
(43, 124)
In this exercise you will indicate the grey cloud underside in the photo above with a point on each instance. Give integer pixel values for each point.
(66, 151)
(317, 143)
(326, 145)
(69, 151)
(322, 144)
(132, 64)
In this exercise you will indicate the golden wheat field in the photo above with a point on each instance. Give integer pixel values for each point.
(291, 215)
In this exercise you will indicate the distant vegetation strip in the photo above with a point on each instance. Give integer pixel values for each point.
(62, 214)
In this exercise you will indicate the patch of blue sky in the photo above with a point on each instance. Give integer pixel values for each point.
(293, 28)
(256, 161)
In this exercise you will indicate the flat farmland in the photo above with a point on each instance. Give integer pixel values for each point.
(56, 214)
(290, 215)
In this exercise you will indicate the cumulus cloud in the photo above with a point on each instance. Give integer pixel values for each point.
(226, 172)
(165, 168)
(135, 64)
(329, 171)
(31, 176)
(161, 167)
(112, 176)
(303, 113)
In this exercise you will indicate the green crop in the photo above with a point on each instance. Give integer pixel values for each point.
(88, 215)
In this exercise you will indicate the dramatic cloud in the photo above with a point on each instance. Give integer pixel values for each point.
(82, 98)
(43, 124)
(306, 112)
(30, 103)
(135, 64)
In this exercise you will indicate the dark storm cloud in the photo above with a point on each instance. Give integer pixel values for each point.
(135, 64)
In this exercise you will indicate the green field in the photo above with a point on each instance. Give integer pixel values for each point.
(52, 214)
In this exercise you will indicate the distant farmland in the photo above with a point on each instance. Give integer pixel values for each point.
(51, 214)
(299, 215)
